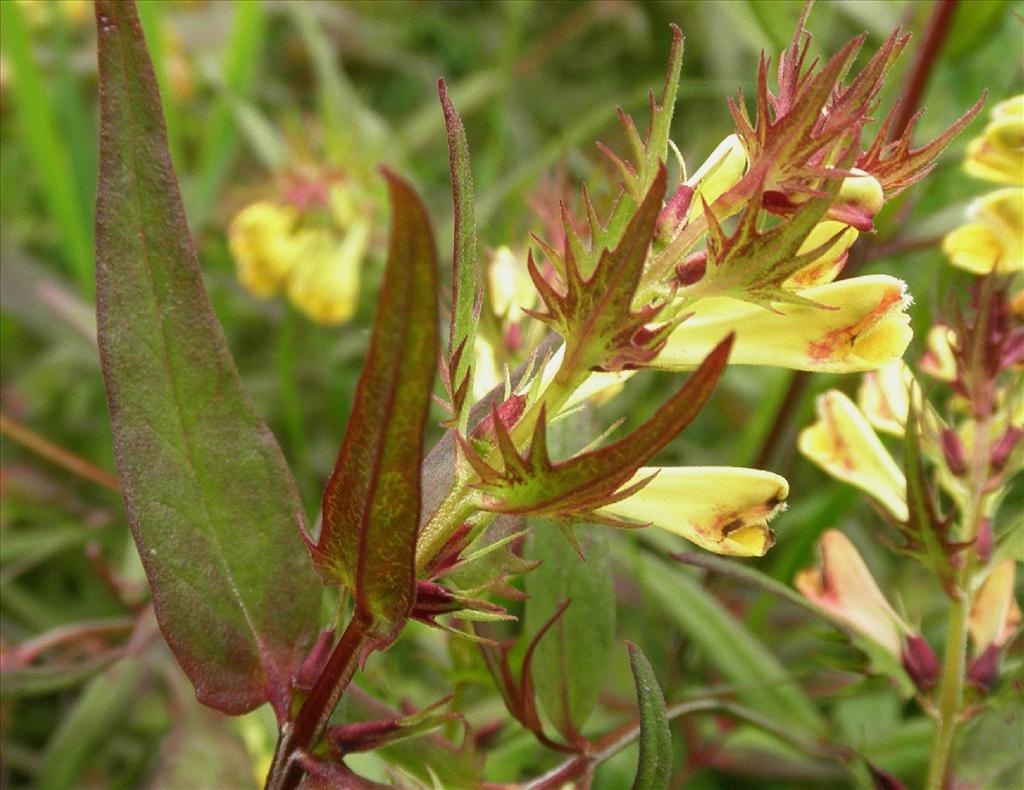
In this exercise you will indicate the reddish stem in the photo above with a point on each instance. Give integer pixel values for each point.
(299, 735)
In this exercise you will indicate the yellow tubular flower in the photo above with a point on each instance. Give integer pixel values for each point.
(845, 446)
(867, 328)
(938, 360)
(995, 614)
(843, 586)
(862, 192)
(722, 509)
(720, 173)
(995, 240)
(998, 154)
(325, 283)
(262, 243)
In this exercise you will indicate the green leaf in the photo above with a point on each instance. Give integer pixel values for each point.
(213, 510)
(570, 661)
(467, 284)
(371, 505)
(100, 710)
(732, 651)
(654, 764)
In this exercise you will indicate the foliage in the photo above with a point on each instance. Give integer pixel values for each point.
(383, 615)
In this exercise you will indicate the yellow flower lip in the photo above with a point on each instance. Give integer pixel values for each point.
(866, 327)
(844, 445)
(998, 154)
(723, 509)
(994, 241)
(843, 586)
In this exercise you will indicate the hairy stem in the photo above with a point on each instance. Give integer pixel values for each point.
(950, 694)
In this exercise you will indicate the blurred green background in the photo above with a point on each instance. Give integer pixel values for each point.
(252, 89)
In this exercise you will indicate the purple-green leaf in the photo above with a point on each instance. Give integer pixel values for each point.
(371, 505)
(213, 509)
(654, 763)
(467, 284)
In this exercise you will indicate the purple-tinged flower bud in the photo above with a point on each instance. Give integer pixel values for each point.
(953, 451)
(983, 670)
(692, 269)
(1003, 446)
(920, 662)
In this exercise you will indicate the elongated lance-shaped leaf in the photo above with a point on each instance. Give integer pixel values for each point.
(213, 510)
(371, 504)
(467, 284)
(654, 763)
(533, 484)
(595, 316)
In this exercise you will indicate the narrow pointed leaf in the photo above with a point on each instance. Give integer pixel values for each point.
(654, 764)
(570, 662)
(371, 505)
(467, 285)
(213, 510)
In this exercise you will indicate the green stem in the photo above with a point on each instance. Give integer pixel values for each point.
(950, 692)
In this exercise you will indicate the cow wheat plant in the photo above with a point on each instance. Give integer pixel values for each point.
(493, 549)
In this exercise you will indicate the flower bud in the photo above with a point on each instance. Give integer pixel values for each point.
(843, 587)
(953, 451)
(845, 446)
(920, 662)
(994, 612)
(1004, 446)
(938, 360)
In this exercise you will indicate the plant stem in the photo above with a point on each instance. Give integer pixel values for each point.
(305, 731)
(950, 692)
(950, 695)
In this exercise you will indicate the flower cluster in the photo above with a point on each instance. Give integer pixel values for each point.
(749, 247)
(961, 446)
(310, 243)
(993, 241)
